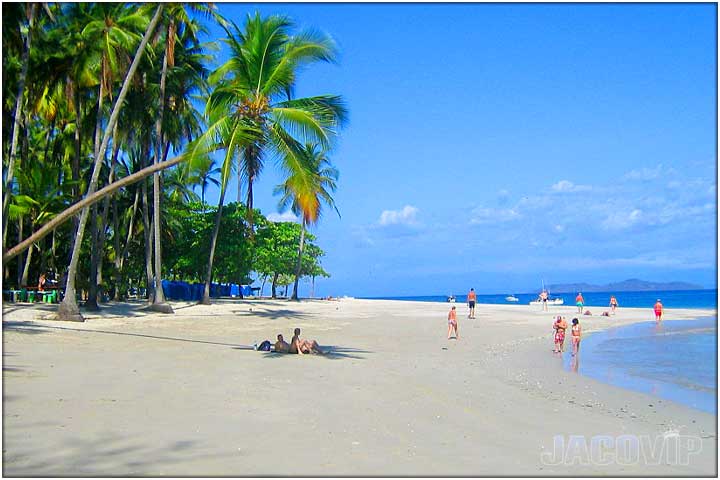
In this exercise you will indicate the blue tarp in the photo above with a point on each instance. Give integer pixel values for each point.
(194, 292)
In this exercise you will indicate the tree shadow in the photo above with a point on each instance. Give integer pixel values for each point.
(270, 314)
(27, 327)
(109, 454)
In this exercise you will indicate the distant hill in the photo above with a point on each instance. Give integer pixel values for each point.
(631, 285)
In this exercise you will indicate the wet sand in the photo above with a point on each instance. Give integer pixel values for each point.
(133, 393)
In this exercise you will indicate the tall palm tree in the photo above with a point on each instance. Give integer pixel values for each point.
(310, 181)
(253, 92)
(68, 309)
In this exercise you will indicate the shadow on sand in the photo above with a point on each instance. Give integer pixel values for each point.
(109, 454)
(31, 328)
(332, 352)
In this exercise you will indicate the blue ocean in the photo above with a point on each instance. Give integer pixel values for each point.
(675, 360)
(670, 298)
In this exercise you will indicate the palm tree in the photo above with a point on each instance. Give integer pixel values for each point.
(252, 95)
(205, 172)
(310, 181)
(68, 309)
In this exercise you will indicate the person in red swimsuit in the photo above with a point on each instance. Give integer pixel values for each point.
(658, 308)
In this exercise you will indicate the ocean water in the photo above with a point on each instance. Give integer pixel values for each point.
(670, 299)
(674, 360)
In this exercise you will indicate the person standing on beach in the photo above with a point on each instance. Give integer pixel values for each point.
(471, 299)
(613, 303)
(560, 327)
(576, 334)
(658, 308)
(452, 323)
(580, 302)
(544, 299)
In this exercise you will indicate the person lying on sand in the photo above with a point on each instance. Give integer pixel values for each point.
(303, 347)
(281, 346)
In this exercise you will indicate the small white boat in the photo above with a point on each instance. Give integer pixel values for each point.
(512, 298)
(550, 301)
(451, 299)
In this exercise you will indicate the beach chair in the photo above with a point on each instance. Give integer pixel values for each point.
(50, 296)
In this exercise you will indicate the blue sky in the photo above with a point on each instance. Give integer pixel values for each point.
(498, 145)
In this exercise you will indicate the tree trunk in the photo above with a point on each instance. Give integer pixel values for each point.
(274, 285)
(118, 252)
(208, 277)
(68, 309)
(17, 115)
(131, 226)
(148, 234)
(298, 267)
(19, 264)
(159, 300)
(26, 270)
(91, 303)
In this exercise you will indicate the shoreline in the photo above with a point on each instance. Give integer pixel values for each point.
(131, 392)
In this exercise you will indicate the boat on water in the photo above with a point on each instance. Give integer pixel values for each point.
(550, 301)
(512, 298)
(451, 298)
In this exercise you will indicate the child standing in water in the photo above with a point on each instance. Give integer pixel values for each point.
(452, 323)
(576, 334)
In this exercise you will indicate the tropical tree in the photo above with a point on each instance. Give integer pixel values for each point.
(252, 113)
(311, 179)
(68, 309)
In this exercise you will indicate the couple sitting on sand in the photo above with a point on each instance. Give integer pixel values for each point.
(297, 345)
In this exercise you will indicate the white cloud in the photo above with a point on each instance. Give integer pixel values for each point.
(622, 220)
(406, 216)
(649, 173)
(282, 217)
(559, 228)
(490, 215)
(568, 186)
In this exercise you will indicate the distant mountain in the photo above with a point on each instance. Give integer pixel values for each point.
(631, 285)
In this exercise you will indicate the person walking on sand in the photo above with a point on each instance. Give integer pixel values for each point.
(613, 303)
(658, 308)
(576, 332)
(580, 302)
(471, 299)
(452, 323)
(560, 326)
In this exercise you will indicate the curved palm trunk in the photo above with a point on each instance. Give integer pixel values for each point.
(16, 118)
(68, 309)
(89, 200)
(213, 242)
(299, 261)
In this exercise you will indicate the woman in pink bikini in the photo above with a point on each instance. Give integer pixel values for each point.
(576, 332)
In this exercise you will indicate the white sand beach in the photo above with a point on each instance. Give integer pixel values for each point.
(134, 393)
